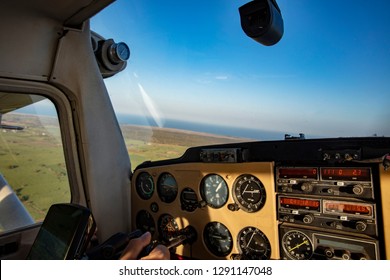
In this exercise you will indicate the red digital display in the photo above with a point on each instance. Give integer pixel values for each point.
(298, 173)
(348, 174)
(299, 203)
(348, 208)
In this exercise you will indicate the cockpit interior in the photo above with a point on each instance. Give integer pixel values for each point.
(293, 199)
(206, 195)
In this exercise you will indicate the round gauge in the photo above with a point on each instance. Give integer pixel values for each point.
(167, 187)
(214, 190)
(253, 244)
(297, 245)
(218, 239)
(167, 227)
(118, 52)
(145, 222)
(144, 185)
(249, 193)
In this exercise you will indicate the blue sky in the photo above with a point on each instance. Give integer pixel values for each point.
(190, 60)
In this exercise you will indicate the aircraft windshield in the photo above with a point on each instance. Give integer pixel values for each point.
(193, 68)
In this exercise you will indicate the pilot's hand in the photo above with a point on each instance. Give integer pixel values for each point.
(135, 246)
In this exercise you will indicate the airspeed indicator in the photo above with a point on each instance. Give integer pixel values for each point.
(214, 190)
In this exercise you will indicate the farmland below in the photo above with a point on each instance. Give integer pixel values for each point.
(33, 163)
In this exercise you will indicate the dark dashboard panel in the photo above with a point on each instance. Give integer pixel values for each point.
(297, 199)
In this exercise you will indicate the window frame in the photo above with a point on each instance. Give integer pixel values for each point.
(68, 131)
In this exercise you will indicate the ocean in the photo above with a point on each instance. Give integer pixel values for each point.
(230, 131)
(248, 133)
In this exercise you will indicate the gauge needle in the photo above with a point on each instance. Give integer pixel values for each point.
(219, 237)
(252, 192)
(299, 245)
(219, 186)
(250, 240)
(255, 191)
(169, 227)
(245, 189)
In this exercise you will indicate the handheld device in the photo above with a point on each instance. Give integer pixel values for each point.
(64, 234)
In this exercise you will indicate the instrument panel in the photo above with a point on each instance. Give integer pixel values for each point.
(242, 206)
(231, 207)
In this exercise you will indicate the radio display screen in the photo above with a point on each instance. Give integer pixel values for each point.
(298, 173)
(299, 203)
(348, 174)
(348, 208)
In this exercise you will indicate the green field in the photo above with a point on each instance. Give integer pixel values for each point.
(33, 163)
(151, 143)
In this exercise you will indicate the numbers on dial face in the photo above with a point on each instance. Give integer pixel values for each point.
(218, 239)
(249, 193)
(144, 185)
(214, 190)
(297, 245)
(167, 187)
(254, 244)
(167, 227)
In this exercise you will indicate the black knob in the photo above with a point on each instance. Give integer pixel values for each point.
(328, 252)
(308, 219)
(361, 225)
(233, 207)
(307, 187)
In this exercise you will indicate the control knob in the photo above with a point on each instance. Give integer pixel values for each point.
(328, 252)
(358, 189)
(361, 226)
(346, 255)
(359, 256)
(334, 224)
(308, 219)
(307, 187)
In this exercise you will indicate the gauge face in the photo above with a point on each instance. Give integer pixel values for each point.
(189, 200)
(249, 193)
(167, 188)
(297, 245)
(123, 51)
(214, 190)
(218, 239)
(253, 244)
(144, 185)
(145, 222)
(118, 52)
(167, 227)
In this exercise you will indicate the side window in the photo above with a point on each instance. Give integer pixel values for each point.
(33, 173)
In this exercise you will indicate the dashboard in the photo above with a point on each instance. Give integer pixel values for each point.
(291, 199)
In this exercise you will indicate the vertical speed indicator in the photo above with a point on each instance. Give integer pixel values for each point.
(253, 244)
(218, 239)
(249, 193)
